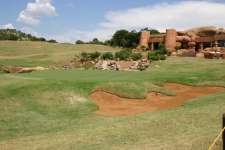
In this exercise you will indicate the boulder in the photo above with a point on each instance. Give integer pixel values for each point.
(200, 55)
(102, 65)
(143, 64)
(134, 65)
(107, 65)
(113, 65)
(174, 54)
(208, 55)
(183, 38)
(186, 53)
(191, 44)
(178, 45)
(223, 55)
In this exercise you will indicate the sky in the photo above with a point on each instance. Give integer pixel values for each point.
(71, 20)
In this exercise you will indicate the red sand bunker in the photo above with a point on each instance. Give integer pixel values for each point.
(113, 105)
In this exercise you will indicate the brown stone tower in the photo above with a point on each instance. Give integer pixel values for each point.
(145, 37)
(170, 39)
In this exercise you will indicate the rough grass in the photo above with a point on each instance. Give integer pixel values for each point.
(52, 110)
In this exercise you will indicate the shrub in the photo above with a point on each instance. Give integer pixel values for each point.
(80, 42)
(84, 56)
(153, 55)
(107, 56)
(162, 57)
(52, 41)
(136, 56)
(162, 49)
(156, 55)
(89, 56)
(123, 54)
(94, 55)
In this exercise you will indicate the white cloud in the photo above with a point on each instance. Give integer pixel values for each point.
(34, 11)
(7, 26)
(73, 35)
(29, 30)
(182, 15)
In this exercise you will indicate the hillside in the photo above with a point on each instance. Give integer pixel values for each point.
(27, 53)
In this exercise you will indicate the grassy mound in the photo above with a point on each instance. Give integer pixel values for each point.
(132, 90)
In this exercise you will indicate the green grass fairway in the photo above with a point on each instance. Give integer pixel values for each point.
(51, 110)
(25, 53)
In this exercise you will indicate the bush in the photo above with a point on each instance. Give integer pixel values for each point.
(89, 56)
(162, 49)
(153, 55)
(52, 41)
(107, 56)
(136, 56)
(94, 55)
(123, 54)
(84, 56)
(80, 42)
(156, 55)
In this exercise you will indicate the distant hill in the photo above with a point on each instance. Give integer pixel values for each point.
(14, 35)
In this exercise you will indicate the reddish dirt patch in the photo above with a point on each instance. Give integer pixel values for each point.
(113, 105)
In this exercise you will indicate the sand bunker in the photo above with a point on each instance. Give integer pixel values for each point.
(113, 105)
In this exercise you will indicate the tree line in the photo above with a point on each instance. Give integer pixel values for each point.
(122, 38)
(14, 35)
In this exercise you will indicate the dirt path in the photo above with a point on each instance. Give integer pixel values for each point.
(112, 105)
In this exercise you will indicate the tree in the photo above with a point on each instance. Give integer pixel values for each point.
(107, 42)
(80, 42)
(96, 41)
(52, 41)
(13, 34)
(132, 39)
(120, 38)
(152, 31)
(126, 39)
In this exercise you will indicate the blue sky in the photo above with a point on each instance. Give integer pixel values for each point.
(69, 20)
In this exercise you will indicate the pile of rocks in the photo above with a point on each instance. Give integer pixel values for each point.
(186, 53)
(113, 65)
(122, 65)
(107, 65)
(143, 64)
(216, 52)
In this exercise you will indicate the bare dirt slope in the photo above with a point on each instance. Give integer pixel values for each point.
(113, 105)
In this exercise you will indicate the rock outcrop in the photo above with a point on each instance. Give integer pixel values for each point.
(12, 69)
